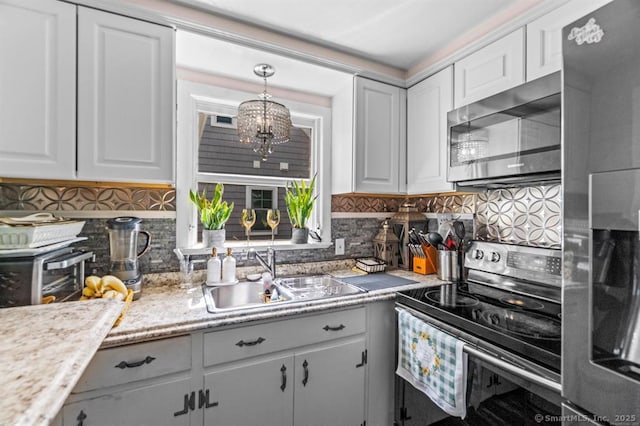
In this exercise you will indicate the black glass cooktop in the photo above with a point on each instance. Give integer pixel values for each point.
(525, 325)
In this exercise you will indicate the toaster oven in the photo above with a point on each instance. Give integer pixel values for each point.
(54, 276)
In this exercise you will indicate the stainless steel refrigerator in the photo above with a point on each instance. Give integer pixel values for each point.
(601, 247)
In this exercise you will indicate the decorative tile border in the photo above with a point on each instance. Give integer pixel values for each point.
(79, 197)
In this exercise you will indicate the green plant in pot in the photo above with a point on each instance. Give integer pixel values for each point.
(213, 215)
(299, 199)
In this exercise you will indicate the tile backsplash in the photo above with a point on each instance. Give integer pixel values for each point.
(524, 215)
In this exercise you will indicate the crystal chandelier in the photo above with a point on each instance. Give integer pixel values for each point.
(263, 123)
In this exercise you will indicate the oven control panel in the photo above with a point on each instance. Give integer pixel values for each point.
(531, 263)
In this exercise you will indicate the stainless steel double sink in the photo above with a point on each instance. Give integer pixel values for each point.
(250, 295)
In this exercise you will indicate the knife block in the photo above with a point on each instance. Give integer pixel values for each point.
(426, 265)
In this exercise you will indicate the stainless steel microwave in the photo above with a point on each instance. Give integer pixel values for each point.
(510, 138)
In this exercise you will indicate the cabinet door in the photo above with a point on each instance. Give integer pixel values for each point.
(153, 405)
(125, 99)
(329, 385)
(544, 36)
(492, 69)
(427, 105)
(380, 138)
(256, 393)
(37, 89)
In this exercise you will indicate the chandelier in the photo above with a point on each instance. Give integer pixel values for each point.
(263, 123)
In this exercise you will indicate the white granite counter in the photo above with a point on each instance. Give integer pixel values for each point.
(167, 310)
(44, 349)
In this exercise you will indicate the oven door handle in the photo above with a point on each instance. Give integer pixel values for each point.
(493, 359)
(507, 366)
(67, 261)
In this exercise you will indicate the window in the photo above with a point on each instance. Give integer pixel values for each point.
(261, 199)
(209, 152)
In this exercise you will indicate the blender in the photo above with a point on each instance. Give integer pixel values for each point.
(123, 246)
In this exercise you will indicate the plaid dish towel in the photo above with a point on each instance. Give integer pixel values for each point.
(433, 362)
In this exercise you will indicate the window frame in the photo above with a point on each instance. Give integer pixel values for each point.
(194, 98)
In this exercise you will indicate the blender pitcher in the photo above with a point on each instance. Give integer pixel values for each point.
(123, 247)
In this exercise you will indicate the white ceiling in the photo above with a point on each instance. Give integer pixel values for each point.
(397, 33)
(213, 56)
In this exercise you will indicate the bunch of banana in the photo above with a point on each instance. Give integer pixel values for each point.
(107, 287)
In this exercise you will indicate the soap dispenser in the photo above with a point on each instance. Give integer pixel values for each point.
(214, 268)
(229, 268)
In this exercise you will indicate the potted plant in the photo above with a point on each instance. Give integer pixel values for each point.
(299, 200)
(213, 215)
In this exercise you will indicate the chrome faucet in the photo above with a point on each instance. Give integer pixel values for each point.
(269, 264)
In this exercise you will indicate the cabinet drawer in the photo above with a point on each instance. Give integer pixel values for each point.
(126, 364)
(244, 342)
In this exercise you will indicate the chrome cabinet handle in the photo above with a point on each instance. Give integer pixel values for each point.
(283, 370)
(338, 328)
(122, 365)
(203, 400)
(305, 380)
(81, 418)
(259, 340)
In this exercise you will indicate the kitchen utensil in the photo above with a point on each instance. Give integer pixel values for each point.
(449, 243)
(435, 240)
(459, 231)
(123, 246)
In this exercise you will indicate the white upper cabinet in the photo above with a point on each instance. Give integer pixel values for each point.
(125, 99)
(427, 105)
(544, 36)
(37, 89)
(369, 138)
(496, 67)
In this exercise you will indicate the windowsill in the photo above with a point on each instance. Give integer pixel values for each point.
(241, 246)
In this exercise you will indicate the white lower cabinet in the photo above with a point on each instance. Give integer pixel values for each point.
(257, 392)
(329, 385)
(142, 384)
(151, 405)
(310, 370)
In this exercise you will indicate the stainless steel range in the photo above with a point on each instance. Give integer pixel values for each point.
(507, 311)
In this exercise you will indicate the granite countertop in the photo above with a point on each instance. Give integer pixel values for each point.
(44, 349)
(166, 310)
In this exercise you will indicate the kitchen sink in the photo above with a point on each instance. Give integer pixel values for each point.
(316, 287)
(249, 295)
(246, 294)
